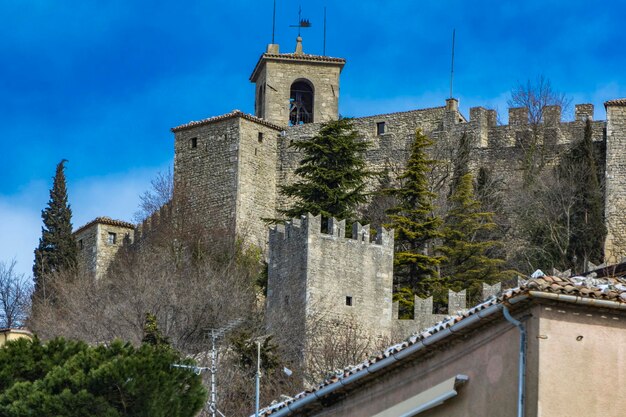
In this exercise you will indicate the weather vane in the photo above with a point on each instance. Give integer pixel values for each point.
(302, 23)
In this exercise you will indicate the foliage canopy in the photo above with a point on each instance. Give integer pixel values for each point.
(332, 174)
(70, 378)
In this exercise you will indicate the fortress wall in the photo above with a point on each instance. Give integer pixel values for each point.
(388, 150)
(99, 243)
(615, 179)
(343, 281)
(257, 192)
(287, 277)
(205, 177)
(87, 241)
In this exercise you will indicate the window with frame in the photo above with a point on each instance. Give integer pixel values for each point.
(112, 238)
(380, 128)
(194, 143)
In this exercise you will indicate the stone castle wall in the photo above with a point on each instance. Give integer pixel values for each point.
(340, 280)
(205, 175)
(99, 242)
(615, 178)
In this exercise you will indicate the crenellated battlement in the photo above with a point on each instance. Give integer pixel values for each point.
(424, 315)
(308, 226)
(151, 224)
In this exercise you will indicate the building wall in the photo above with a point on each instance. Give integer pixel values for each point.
(582, 349)
(205, 177)
(279, 75)
(95, 250)
(489, 357)
(615, 183)
(321, 270)
(7, 335)
(257, 188)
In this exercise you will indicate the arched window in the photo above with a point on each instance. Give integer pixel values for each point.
(259, 105)
(301, 103)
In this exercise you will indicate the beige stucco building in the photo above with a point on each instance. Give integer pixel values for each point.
(469, 365)
(7, 335)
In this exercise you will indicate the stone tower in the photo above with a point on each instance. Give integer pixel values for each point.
(296, 88)
(322, 283)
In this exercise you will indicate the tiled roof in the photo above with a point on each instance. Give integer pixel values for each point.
(106, 220)
(234, 113)
(616, 102)
(296, 57)
(594, 292)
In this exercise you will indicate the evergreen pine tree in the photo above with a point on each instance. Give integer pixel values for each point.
(588, 230)
(468, 264)
(152, 334)
(332, 174)
(415, 225)
(57, 248)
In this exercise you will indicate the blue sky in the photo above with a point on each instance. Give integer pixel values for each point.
(100, 83)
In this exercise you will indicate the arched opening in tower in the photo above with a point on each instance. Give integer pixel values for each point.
(301, 103)
(259, 104)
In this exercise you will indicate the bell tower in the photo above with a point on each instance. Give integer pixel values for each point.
(296, 88)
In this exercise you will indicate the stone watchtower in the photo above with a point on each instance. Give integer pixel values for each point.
(320, 284)
(225, 167)
(296, 88)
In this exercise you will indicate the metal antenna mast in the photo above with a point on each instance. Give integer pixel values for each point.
(274, 22)
(217, 334)
(324, 53)
(452, 67)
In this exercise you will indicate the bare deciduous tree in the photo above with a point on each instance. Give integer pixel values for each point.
(160, 193)
(15, 295)
(535, 96)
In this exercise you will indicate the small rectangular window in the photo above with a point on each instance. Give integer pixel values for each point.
(260, 137)
(194, 143)
(80, 244)
(348, 300)
(380, 128)
(112, 238)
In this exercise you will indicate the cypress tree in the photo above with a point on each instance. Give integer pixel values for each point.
(332, 174)
(415, 224)
(588, 230)
(468, 264)
(57, 247)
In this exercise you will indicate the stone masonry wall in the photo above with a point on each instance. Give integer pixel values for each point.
(99, 243)
(615, 182)
(278, 77)
(344, 281)
(205, 176)
(257, 188)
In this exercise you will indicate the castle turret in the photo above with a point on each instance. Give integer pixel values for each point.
(321, 283)
(296, 88)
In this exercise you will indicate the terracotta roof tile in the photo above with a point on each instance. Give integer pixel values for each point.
(613, 289)
(234, 113)
(296, 57)
(616, 102)
(106, 220)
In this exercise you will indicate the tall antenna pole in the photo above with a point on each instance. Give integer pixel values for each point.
(258, 378)
(452, 67)
(213, 407)
(324, 53)
(274, 22)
